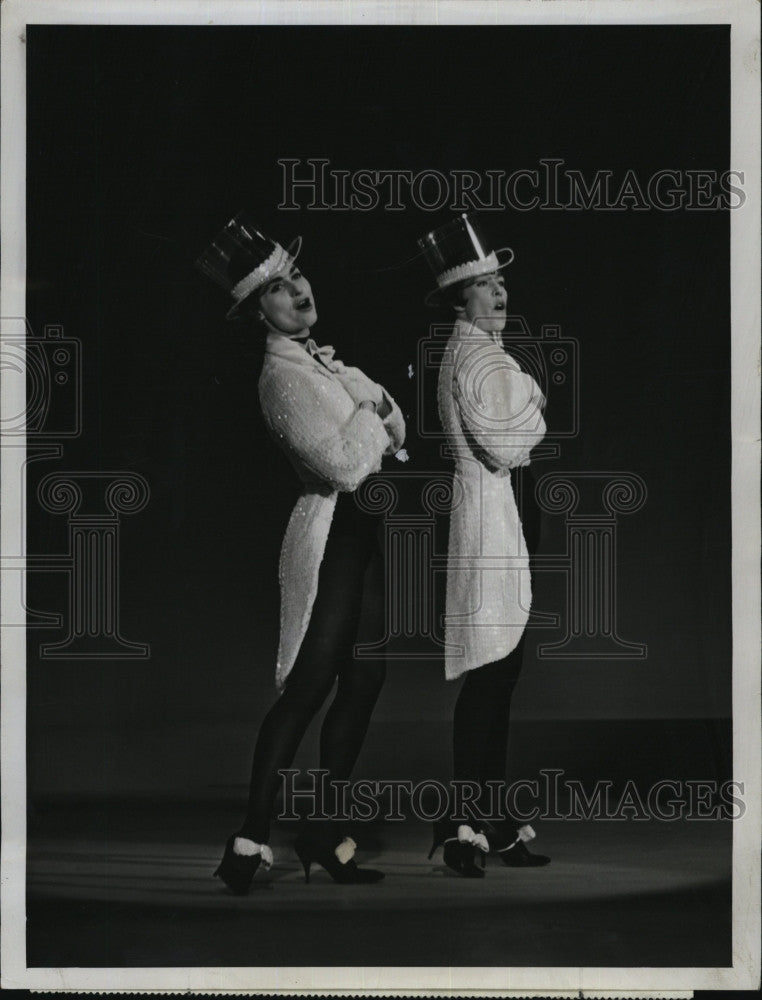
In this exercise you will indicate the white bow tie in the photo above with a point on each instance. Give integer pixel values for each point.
(325, 355)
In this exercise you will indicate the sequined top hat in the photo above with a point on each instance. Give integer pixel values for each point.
(241, 259)
(459, 251)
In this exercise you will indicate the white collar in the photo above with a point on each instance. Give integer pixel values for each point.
(283, 346)
(474, 332)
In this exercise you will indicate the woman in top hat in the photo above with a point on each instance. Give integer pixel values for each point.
(335, 425)
(492, 414)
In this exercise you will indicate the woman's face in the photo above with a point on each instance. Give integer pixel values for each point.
(286, 303)
(484, 302)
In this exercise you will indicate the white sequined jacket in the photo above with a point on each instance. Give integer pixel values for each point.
(491, 412)
(310, 406)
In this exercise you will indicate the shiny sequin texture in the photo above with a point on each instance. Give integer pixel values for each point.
(310, 406)
(491, 412)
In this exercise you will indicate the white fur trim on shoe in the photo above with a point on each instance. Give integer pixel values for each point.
(248, 848)
(524, 833)
(346, 850)
(467, 836)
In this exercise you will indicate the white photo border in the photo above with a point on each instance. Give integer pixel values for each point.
(743, 18)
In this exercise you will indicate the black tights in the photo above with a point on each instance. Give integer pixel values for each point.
(482, 712)
(351, 564)
(481, 722)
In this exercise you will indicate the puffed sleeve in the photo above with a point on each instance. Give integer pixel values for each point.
(360, 387)
(500, 406)
(339, 450)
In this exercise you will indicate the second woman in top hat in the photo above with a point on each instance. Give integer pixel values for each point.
(335, 426)
(491, 413)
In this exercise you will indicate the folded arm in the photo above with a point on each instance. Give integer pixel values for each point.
(360, 388)
(500, 407)
(304, 416)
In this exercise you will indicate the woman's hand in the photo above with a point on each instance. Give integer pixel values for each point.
(360, 387)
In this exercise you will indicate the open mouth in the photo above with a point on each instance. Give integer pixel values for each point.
(304, 305)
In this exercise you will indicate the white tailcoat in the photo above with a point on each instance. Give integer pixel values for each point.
(491, 412)
(310, 408)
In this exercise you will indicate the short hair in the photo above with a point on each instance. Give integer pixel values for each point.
(249, 309)
(452, 296)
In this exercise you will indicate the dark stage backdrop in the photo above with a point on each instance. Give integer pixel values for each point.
(142, 142)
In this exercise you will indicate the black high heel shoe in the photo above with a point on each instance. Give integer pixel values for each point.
(510, 846)
(458, 849)
(336, 858)
(238, 870)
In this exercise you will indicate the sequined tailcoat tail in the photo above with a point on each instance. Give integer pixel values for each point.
(491, 412)
(310, 406)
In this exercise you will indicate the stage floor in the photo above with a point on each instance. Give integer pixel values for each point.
(132, 886)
